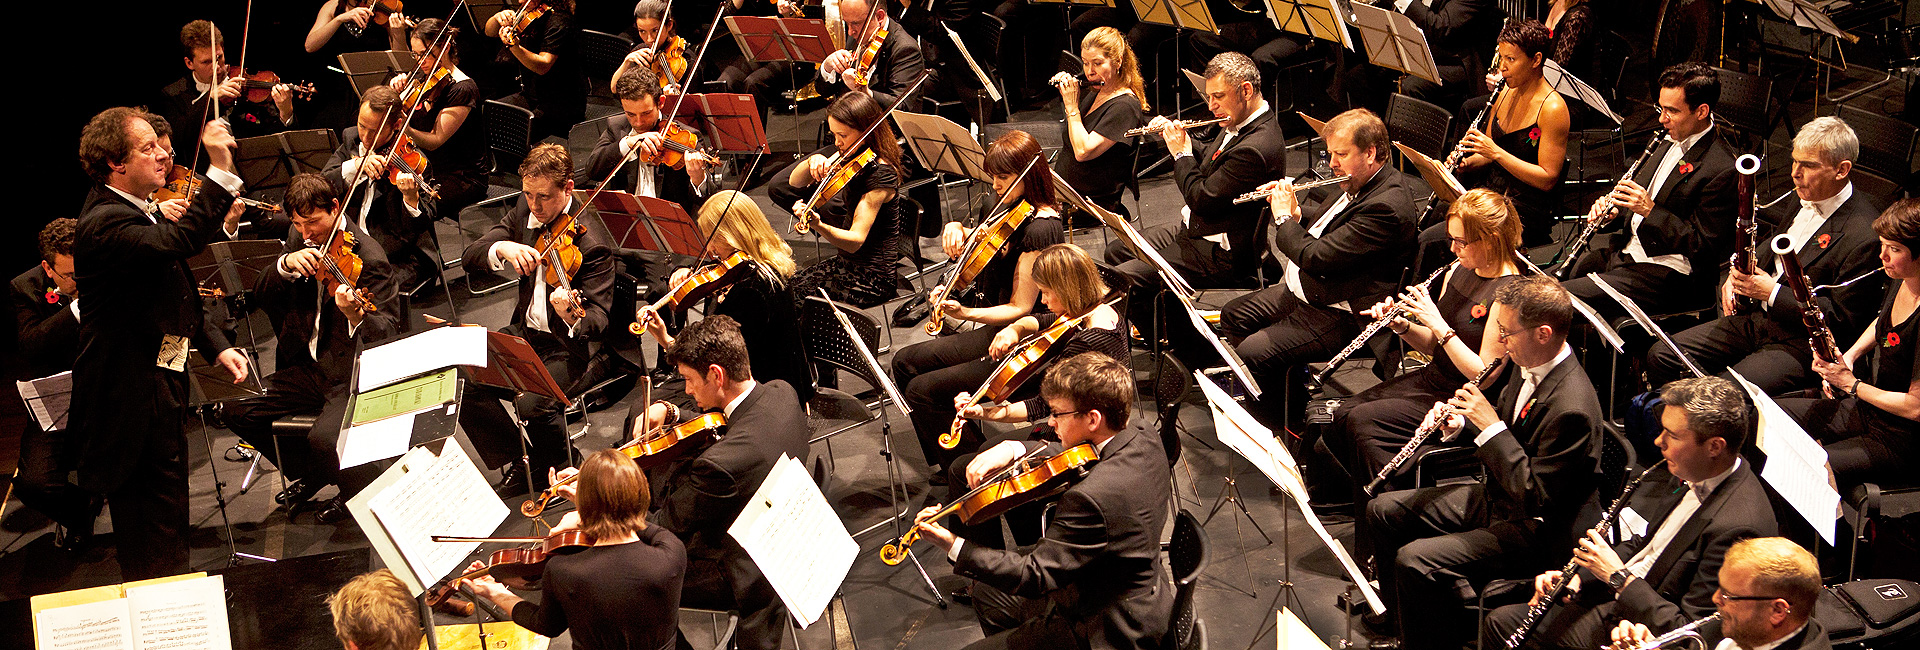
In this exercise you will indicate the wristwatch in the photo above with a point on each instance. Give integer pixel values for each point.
(1619, 580)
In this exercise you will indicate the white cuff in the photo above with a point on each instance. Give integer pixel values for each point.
(493, 257)
(355, 328)
(227, 181)
(1488, 433)
(829, 78)
(411, 211)
(624, 148)
(74, 307)
(1182, 154)
(350, 168)
(231, 234)
(1774, 294)
(953, 554)
(280, 266)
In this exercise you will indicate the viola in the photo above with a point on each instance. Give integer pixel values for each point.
(560, 256)
(1020, 483)
(700, 284)
(679, 142)
(983, 246)
(525, 563)
(651, 450)
(530, 11)
(383, 11)
(671, 65)
(406, 158)
(842, 172)
(258, 86)
(419, 85)
(1023, 362)
(862, 70)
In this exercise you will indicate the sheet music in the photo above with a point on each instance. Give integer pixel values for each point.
(1796, 464)
(103, 625)
(796, 539)
(1239, 431)
(182, 615)
(967, 56)
(438, 495)
(430, 350)
(1320, 19)
(48, 398)
(1640, 316)
(1292, 634)
(1445, 186)
(1607, 333)
(1227, 353)
(1139, 244)
(377, 440)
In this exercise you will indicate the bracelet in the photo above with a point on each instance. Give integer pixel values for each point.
(1447, 337)
(673, 415)
(1854, 391)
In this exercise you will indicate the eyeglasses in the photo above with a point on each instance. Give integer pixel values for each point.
(1504, 334)
(1722, 594)
(1061, 414)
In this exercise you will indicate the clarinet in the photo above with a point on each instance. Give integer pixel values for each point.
(1436, 417)
(1398, 309)
(1690, 632)
(1559, 587)
(1819, 336)
(1579, 243)
(1458, 153)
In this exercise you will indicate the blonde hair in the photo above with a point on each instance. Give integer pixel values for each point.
(1488, 216)
(1067, 270)
(1113, 44)
(1781, 569)
(744, 227)
(374, 611)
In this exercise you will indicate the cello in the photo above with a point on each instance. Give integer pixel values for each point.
(1020, 482)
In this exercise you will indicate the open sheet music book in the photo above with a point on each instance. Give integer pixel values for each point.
(1796, 464)
(421, 353)
(48, 398)
(796, 539)
(426, 494)
(1445, 186)
(1321, 19)
(1393, 42)
(186, 612)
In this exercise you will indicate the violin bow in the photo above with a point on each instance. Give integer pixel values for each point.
(441, 43)
(664, 123)
(246, 27)
(862, 140)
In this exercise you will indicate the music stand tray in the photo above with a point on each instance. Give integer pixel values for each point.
(271, 161)
(942, 145)
(369, 69)
(1321, 19)
(1183, 14)
(648, 223)
(764, 39)
(729, 121)
(1393, 42)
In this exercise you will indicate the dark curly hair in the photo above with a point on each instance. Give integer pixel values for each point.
(57, 238)
(1529, 35)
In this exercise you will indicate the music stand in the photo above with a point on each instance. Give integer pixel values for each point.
(1566, 84)
(730, 122)
(648, 223)
(943, 146)
(1141, 248)
(762, 39)
(1445, 186)
(1066, 14)
(269, 162)
(1392, 41)
(1182, 14)
(1320, 19)
(1640, 316)
(369, 69)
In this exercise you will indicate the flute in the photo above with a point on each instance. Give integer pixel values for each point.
(1690, 632)
(1184, 124)
(1257, 195)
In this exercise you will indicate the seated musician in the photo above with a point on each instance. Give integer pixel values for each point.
(1097, 122)
(457, 156)
(1096, 578)
(893, 69)
(652, 28)
(765, 80)
(623, 590)
(46, 314)
(543, 56)
(365, 35)
(1347, 251)
(184, 102)
(639, 128)
(375, 611)
(1831, 227)
(1871, 427)
(862, 217)
(321, 333)
(559, 311)
(1536, 440)
(1455, 327)
(1679, 209)
(1522, 154)
(1216, 243)
(381, 199)
(1769, 587)
(698, 498)
(760, 301)
(1676, 528)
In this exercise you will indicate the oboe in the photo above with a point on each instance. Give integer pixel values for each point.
(1257, 195)
(1690, 632)
(1398, 309)
(1594, 222)
(1436, 418)
(1459, 152)
(1559, 586)
(1184, 124)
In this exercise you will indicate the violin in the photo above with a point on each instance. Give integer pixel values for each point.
(1023, 362)
(700, 284)
(406, 158)
(983, 246)
(419, 85)
(842, 172)
(342, 268)
(258, 86)
(383, 11)
(679, 143)
(524, 563)
(183, 184)
(1020, 483)
(648, 451)
(671, 65)
(560, 256)
(530, 11)
(862, 69)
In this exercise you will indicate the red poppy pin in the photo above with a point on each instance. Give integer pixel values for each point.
(1479, 311)
(251, 118)
(1533, 136)
(1825, 238)
(1528, 407)
(53, 296)
(1685, 168)
(1893, 339)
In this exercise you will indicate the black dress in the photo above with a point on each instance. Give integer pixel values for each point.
(864, 277)
(994, 285)
(1573, 41)
(1536, 206)
(1102, 178)
(616, 597)
(1864, 443)
(763, 306)
(459, 166)
(558, 98)
(1375, 424)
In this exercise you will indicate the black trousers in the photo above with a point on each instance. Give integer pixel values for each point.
(149, 509)
(1751, 343)
(47, 460)
(1863, 444)
(1566, 626)
(494, 432)
(1434, 547)
(713, 582)
(930, 374)
(301, 390)
(1657, 289)
(1275, 332)
(1202, 263)
(1371, 427)
(1017, 622)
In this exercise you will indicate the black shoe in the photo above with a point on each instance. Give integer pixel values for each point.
(335, 512)
(72, 539)
(513, 482)
(298, 491)
(1384, 644)
(962, 594)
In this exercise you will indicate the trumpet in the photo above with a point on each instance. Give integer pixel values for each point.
(1689, 632)
(1257, 195)
(1184, 124)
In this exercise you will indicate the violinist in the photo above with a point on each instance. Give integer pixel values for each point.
(622, 591)
(141, 315)
(1096, 578)
(538, 48)
(862, 218)
(700, 497)
(323, 324)
(759, 301)
(184, 103)
(652, 25)
(561, 308)
(389, 203)
(877, 56)
(46, 311)
(638, 127)
(374, 611)
(369, 25)
(457, 156)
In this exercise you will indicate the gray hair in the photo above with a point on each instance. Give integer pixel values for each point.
(1830, 138)
(1715, 408)
(1236, 67)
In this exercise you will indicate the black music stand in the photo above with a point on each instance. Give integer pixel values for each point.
(269, 162)
(369, 69)
(1180, 15)
(1392, 41)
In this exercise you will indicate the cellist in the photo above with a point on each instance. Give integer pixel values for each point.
(392, 208)
(321, 331)
(561, 307)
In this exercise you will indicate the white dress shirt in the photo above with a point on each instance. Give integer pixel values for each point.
(1812, 215)
(1226, 139)
(1690, 502)
(1530, 381)
(536, 316)
(1635, 250)
(350, 170)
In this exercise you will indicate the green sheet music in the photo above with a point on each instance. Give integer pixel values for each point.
(405, 397)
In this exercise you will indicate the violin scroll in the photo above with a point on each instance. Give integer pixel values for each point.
(896, 551)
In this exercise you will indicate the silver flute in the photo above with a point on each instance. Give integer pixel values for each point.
(1689, 632)
(1257, 195)
(1399, 308)
(1179, 123)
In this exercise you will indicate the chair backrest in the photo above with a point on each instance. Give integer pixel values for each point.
(1886, 144)
(1171, 386)
(1186, 558)
(601, 54)
(1611, 54)
(1879, 187)
(1746, 102)
(827, 341)
(509, 133)
(1617, 459)
(1418, 124)
(1117, 281)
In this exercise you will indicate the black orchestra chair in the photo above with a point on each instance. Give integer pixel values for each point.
(1186, 558)
(509, 134)
(1875, 506)
(829, 348)
(1419, 125)
(600, 55)
(1747, 105)
(1886, 144)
